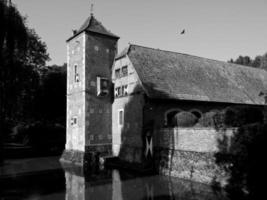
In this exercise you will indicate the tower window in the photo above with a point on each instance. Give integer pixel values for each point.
(76, 75)
(121, 117)
(74, 121)
(102, 86)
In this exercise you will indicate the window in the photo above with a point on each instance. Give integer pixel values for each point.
(196, 113)
(124, 90)
(74, 121)
(124, 71)
(102, 86)
(121, 91)
(121, 117)
(117, 73)
(76, 75)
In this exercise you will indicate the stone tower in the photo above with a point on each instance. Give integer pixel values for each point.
(90, 56)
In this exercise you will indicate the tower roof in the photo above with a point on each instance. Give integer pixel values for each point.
(93, 25)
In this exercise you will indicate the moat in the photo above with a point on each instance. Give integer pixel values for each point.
(44, 178)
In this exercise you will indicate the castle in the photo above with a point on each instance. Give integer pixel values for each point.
(119, 104)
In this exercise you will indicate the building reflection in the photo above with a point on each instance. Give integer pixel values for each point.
(116, 185)
(75, 186)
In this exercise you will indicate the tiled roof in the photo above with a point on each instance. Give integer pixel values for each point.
(172, 75)
(93, 25)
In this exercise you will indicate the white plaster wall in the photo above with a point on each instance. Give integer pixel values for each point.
(191, 139)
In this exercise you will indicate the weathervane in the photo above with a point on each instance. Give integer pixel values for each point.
(92, 9)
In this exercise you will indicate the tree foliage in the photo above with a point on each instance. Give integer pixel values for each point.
(241, 155)
(50, 104)
(257, 62)
(21, 54)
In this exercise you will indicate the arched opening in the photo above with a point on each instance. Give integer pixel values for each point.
(169, 115)
(197, 113)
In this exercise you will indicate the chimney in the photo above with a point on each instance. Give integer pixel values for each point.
(74, 32)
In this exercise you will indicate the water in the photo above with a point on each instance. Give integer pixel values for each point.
(52, 182)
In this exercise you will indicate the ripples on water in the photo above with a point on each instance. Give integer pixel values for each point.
(71, 184)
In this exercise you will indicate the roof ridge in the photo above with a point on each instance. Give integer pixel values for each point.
(238, 65)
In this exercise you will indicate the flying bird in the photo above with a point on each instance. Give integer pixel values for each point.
(183, 32)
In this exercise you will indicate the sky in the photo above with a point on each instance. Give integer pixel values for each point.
(216, 29)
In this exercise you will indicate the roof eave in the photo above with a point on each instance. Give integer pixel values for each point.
(107, 35)
(75, 35)
(211, 101)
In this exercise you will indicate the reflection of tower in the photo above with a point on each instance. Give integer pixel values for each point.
(116, 186)
(90, 55)
(75, 186)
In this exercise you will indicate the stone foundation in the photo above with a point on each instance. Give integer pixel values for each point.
(194, 166)
(74, 157)
(92, 156)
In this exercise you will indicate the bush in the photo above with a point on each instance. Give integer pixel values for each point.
(244, 161)
(237, 116)
(184, 119)
(242, 158)
(41, 135)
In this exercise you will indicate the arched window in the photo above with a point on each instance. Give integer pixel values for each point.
(169, 115)
(197, 113)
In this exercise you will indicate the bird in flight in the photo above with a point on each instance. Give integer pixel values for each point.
(183, 32)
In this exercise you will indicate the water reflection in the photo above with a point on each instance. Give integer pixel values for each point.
(117, 185)
(71, 183)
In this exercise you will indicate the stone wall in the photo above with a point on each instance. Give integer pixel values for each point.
(189, 153)
(75, 137)
(100, 54)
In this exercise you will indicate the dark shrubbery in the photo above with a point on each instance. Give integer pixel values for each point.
(184, 119)
(41, 136)
(237, 116)
(242, 157)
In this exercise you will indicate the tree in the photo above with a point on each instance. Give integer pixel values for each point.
(242, 60)
(21, 54)
(241, 156)
(263, 63)
(257, 62)
(51, 96)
